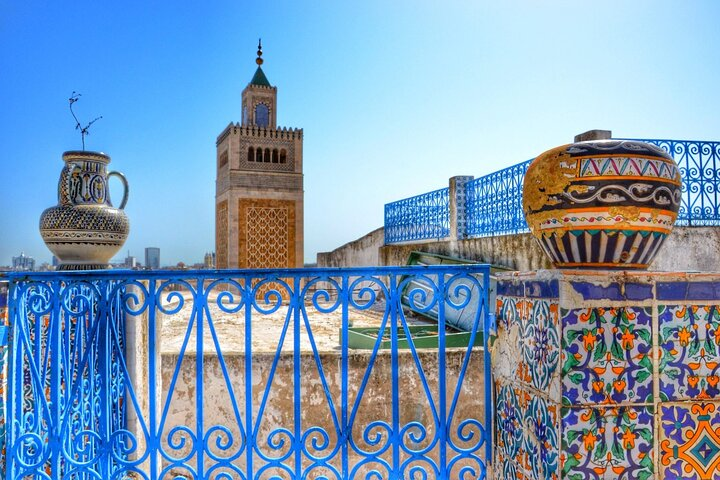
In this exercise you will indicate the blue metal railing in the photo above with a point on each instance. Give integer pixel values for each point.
(699, 163)
(421, 217)
(493, 203)
(247, 385)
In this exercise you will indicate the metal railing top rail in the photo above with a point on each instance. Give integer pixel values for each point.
(670, 140)
(123, 274)
(419, 196)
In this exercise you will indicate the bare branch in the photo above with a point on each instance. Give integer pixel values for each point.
(84, 131)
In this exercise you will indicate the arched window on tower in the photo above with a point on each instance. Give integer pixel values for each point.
(258, 155)
(251, 154)
(262, 115)
(267, 155)
(283, 156)
(275, 155)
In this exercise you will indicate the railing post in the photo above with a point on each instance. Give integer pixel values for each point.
(458, 219)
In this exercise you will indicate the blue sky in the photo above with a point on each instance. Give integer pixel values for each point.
(394, 97)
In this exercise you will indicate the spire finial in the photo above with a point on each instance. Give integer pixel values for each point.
(259, 60)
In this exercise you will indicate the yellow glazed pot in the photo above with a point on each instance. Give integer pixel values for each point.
(602, 204)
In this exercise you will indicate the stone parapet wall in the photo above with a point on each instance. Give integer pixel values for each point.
(363, 252)
(607, 375)
(686, 249)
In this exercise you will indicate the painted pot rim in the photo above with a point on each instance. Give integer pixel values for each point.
(72, 155)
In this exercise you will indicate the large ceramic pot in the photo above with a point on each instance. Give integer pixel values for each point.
(84, 231)
(602, 204)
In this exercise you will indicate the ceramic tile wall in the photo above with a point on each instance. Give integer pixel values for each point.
(527, 382)
(635, 358)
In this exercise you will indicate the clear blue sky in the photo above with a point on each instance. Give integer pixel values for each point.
(394, 97)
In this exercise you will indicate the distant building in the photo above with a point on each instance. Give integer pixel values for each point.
(23, 263)
(209, 261)
(130, 262)
(152, 258)
(259, 187)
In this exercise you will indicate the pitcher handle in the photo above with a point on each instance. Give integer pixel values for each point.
(125, 185)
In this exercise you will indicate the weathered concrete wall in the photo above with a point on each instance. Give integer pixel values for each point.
(222, 417)
(687, 249)
(690, 249)
(519, 252)
(363, 252)
(607, 374)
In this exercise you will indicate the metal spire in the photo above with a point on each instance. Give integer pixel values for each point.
(259, 60)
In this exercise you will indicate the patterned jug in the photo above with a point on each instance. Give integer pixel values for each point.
(84, 231)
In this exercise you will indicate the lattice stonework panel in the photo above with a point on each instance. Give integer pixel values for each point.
(221, 235)
(267, 233)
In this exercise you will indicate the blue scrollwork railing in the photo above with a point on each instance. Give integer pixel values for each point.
(494, 203)
(422, 217)
(699, 163)
(245, 374)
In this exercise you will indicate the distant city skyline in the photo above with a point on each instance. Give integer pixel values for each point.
(393, 97)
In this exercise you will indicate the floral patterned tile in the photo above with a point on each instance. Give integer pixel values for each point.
(510, 404)
(689, 352)
(541, 343)
(538, 339)
(689, 440)
(509, 311)
(527, 435)
(508, 360)
(540, 439)
(607, 356)
(607, 442)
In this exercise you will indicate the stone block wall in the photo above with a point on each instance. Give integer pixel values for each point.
(687, 249)
(607, 375)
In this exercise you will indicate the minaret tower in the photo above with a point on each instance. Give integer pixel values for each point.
(259, 185)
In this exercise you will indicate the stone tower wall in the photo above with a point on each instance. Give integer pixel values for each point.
(259, 204)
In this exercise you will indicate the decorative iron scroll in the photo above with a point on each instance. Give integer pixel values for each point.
(493, 203)
(421, 217)
(92, 396)
(699, 163)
